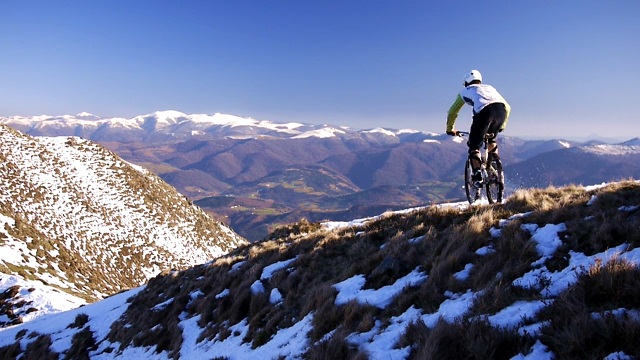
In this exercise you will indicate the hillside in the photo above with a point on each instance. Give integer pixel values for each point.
(80, 220)
(552, 273)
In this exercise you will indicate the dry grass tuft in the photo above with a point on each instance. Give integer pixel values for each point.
(512, 257)
(11, 352)
(550, 206)
(335, 347)
(613, 218)
(357, 317)
(466, 339)
(615, 195)
(319, 296)
(546, 199)
(327, 318)
(79, 321)
(40, 349)
(81, 344)
(588, 320)
(293, 230)
(611, 285)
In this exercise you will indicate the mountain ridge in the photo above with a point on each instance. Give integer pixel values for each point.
(177, 125)
(77, 217)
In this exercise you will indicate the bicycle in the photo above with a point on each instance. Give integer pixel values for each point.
(492, 175)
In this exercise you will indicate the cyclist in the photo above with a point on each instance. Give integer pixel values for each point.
(490, 116)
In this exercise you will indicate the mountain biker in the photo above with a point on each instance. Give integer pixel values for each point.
(490, 116)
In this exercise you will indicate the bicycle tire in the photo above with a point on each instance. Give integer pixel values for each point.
(473, 193)
(495, 183)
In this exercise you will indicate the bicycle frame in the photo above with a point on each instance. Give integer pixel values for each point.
(492, 175)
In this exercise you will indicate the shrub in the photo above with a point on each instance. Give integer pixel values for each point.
(40, 348)
(81, 344)
(79, 322)
(335, 347)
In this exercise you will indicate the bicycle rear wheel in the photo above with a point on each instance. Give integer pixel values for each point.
(473, 193)
(495, 183)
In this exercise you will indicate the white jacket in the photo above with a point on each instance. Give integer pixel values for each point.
(481, 95)
(478, 96)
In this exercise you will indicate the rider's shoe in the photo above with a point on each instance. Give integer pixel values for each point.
(476, 178)
(478, 194)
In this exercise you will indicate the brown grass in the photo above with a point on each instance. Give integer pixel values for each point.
(40, 349)
(575, 330)
(465, 340)
(438, 241)
(79, 322)
(336, 347)
(81, 344)
(10, 352)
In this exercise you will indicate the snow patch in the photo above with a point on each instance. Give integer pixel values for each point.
(320, 133)
(351, 289)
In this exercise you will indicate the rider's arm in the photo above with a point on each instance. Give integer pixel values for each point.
(452, 115)
(506, 118)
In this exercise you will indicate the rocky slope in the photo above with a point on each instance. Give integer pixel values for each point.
(78, 218)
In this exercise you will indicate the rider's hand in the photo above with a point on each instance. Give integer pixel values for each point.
(453, 133)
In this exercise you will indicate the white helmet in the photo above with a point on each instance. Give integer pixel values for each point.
(472, 75)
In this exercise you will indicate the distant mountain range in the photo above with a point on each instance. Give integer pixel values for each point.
(255, 174)
(168, 125)
(79, 219)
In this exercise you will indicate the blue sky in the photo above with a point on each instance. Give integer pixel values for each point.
(568, 68)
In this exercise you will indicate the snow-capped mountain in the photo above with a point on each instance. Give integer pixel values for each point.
(78, 218)
(171, 125)
(163, 125)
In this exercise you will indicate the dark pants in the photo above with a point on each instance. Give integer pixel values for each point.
(488, 120)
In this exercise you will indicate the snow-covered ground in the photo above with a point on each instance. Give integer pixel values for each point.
(34, 294)
(380, 341)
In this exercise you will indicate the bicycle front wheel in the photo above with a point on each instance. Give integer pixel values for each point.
(473, 193)
(495, 183)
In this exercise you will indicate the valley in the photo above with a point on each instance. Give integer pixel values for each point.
(256, 175)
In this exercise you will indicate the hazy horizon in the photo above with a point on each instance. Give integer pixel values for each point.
(583, 138)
